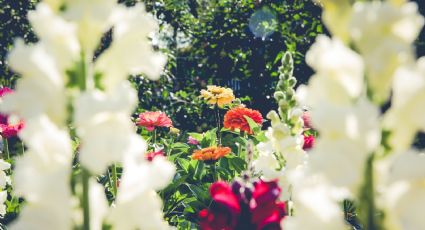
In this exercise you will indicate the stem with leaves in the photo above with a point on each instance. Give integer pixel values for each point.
(6, 148)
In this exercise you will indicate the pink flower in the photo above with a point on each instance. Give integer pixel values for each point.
(11, 130)
(151, 120)
(151, 155)
(308, 142)
(8, 130)
(5, 90)
(192, 141)
(307, 120)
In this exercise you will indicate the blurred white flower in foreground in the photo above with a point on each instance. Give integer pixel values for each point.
(407, 105)
(384, 33)
(42, 177)
(316, 205)
(137, 196)
(130, 53)
(405, 196)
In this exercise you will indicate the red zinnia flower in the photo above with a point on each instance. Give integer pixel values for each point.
(243, 207)
(226, 209)
(235, 119)
(308, 142)
(151, 120)
(151, 155)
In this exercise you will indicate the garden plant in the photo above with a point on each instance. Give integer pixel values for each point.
(95, 135)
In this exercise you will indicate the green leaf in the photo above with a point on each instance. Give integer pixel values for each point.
(199, 170)
(185, 164)
(252, 124)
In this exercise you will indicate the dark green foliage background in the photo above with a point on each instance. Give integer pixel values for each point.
(222, 51)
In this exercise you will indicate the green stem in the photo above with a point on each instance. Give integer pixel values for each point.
(214, 172)
(217, 116)
(6, 148)
(23, 147)
(367, 199)
(114, 180)
(85, 176)
(154, 136)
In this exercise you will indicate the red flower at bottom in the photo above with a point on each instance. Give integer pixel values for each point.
(308, 142)
(243, 207)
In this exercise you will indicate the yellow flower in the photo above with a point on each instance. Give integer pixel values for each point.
(217, 95)
(175, 131)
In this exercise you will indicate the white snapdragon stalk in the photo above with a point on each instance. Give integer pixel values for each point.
(407, 104)
(132, 27)
(336, 16)
(315, 204)
(42, 176)
(384, 32)
(346, 156)
(102, 108)
(4, 180)
(93, 18)
(283, 152)
(136, 195)
(405, 192)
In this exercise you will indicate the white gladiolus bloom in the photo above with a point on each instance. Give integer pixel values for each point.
(41, 89)
(358, 123)
(54, 4)
(98, 205)
(42, 176)
(407, 103)
(281, 142)
(405, 195)
(93, 18)
(103, 124)
(348, 134)
(136, 195)
(4, 179)
(376, 21)
(101, 118)
(3, 198)
(107, 141)
(130, 53)
(339, 161)
(142, 212)
(95, 104)
(47, 160)
(345, 72)
(316, 205)
(384, 33)
(43, 215)
(266, 163)
(59, 38)
(336, 16)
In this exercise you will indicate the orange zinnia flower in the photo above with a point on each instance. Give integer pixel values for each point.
(151, 120)
(234, 119)
(211, 153)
